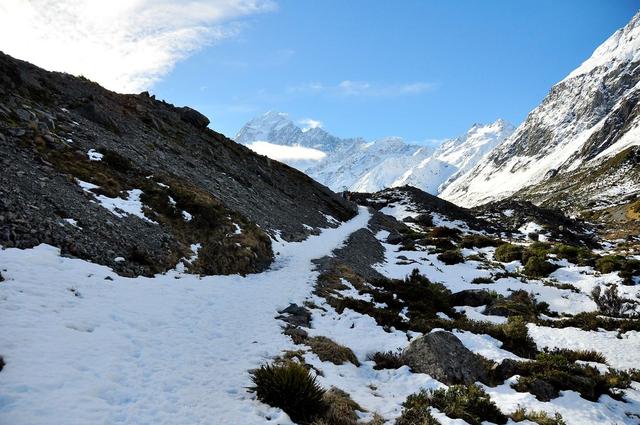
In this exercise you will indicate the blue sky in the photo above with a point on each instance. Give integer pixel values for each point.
(419, 69)
(416, 69)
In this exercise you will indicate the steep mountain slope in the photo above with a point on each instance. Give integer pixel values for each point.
(137, 184)
(360, 166)
(587, 118)
(455, 157)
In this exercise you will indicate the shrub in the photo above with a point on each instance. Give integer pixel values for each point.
(451, 257)
(536, 249)
(416, 410)
(508, 252)
(575, 355)
(610, 303)
(467, 402)
(627, 268)
(387, 359)
(539, 417)
(538, 267)
(519, 303)
(480, 280)
(592, 321)
(328, 350)
(609, 263)
(291, 388)
(445, 232)
(515, 337)
(556, 371)
(575, 254)
(479, 241)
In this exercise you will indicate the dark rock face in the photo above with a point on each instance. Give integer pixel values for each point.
(49, 122)
(441, 355)
(360, 252)
(193, 117)
(471, 297)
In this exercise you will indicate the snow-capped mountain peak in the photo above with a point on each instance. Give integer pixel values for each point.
(358, 165)
(587, 117)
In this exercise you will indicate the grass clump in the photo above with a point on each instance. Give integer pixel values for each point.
(387, 359)
(331, 351)
(291, 388)
(507, 253)
(451, 257)
(341, 409)
(467, 402)
(539, 417)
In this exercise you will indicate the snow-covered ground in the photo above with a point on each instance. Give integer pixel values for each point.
(83, 345)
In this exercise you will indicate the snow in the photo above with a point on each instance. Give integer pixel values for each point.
(621, 353)
(118, 206)
(368, 166)
(510, 167)
(172, 349)
(94, 155)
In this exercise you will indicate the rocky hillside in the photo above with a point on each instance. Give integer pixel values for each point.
(586, 121)
(138, 184)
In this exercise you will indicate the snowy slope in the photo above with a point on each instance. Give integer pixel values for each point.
(363, 166)
(86, 346)
(589, 116)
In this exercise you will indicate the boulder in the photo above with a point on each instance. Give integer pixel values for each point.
(193, 117)
(295, 315)
(442, 355)
(472, 297)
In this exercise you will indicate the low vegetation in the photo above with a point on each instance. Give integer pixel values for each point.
(555, 371)
(610, 303)
(467, 402)
(450, 257)
(538, 417)
(387, 359)
(328, 350)
(291, 388)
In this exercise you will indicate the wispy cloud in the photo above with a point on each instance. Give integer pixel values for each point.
(309, 123)
(125, 45)
(351, 88)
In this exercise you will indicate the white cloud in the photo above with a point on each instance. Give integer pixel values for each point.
(365, 88)
(351, 88)
(286, 153)
(309, 123)
(125, 45)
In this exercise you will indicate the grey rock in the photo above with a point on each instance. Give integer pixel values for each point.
(193, 117)
(442, 355)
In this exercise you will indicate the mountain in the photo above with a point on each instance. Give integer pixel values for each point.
(361, 166)
(135, 183)
(586, 119)
(455, 157)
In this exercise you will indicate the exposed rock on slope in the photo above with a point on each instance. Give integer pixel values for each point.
(133, 182)
(585, 120)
